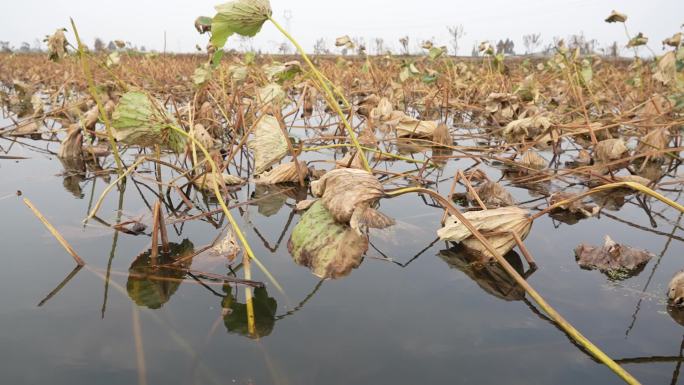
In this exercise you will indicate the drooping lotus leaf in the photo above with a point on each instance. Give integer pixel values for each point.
(244, 17)
(501, 222)
(269, 144)
(153, 287)
(235, 318)
(329, 248)
(140, 120)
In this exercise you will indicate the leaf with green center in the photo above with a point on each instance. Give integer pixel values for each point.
(244, 17)
(330, 249)
(140, 120)
(269, 144)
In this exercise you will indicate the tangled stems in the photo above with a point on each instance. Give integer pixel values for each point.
(93, 91)
(330, 95)
(548, 309)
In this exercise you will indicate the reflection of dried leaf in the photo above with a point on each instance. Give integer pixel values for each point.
(227, 246)
(330, 249)
(502, 221)
(491, 277)
(283, 173)
(493, 195)
(346, 190)
(615, 260)
(152, 287)
(235, 314)
(269, 144)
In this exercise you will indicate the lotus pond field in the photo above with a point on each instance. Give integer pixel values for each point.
(244, 218)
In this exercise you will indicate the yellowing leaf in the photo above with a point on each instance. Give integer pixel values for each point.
(269, 144)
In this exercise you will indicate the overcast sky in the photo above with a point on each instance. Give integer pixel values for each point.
(143, 22)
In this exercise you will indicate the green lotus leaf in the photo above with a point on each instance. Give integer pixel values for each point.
(140, 120)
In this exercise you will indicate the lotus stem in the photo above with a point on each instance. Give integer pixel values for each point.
(548, 309)
(331, 96)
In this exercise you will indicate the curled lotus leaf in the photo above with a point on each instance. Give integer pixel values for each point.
(269, 144)
(329, 248)
(244, 17)
(140, 120)
(347, 193)
(495, 224)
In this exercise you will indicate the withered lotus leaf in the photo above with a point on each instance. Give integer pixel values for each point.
(283, 173)
(269, 144)
(329, 248)
(347, 190)
(613, 259)
(495, 224)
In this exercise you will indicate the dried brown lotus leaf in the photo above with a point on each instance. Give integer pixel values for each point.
(345, 190)
(656, 140)
(616, 260)
(283, 173)
(370, 217)
(348, 162)
(414, 128)
(501, 221)
(575, 206)
(202, 136)
(532, 159)
(666, 70)
(227, 246)
(442, 136)
(616, 17)
(206, 181)
(526, 127)
(269, 144)
(382, 111)
(493, 195)
(72, 145)
(675, 289)
(328, 248)
(609, 150)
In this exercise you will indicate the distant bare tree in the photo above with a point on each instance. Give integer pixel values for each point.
(456, 33)
(5, 46)
(405, 44)
(505, 47)
(98, 45)
(531, 42)
(320, 47)
(111, 46)
(476, 50)
(586, 47)
(379, 46)
(25, 47)
(614, 49)
(360, 45)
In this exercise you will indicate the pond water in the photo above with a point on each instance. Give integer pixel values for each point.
(411, 313)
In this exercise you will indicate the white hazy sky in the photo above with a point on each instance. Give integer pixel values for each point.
(143, 22)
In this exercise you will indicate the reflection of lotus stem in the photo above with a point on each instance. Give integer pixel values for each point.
(610, 186)
(100, 107)
(222, 203)
(332, 101)
(553, 314)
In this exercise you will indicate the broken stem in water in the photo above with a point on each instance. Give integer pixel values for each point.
(55, 233)
(552, 313)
